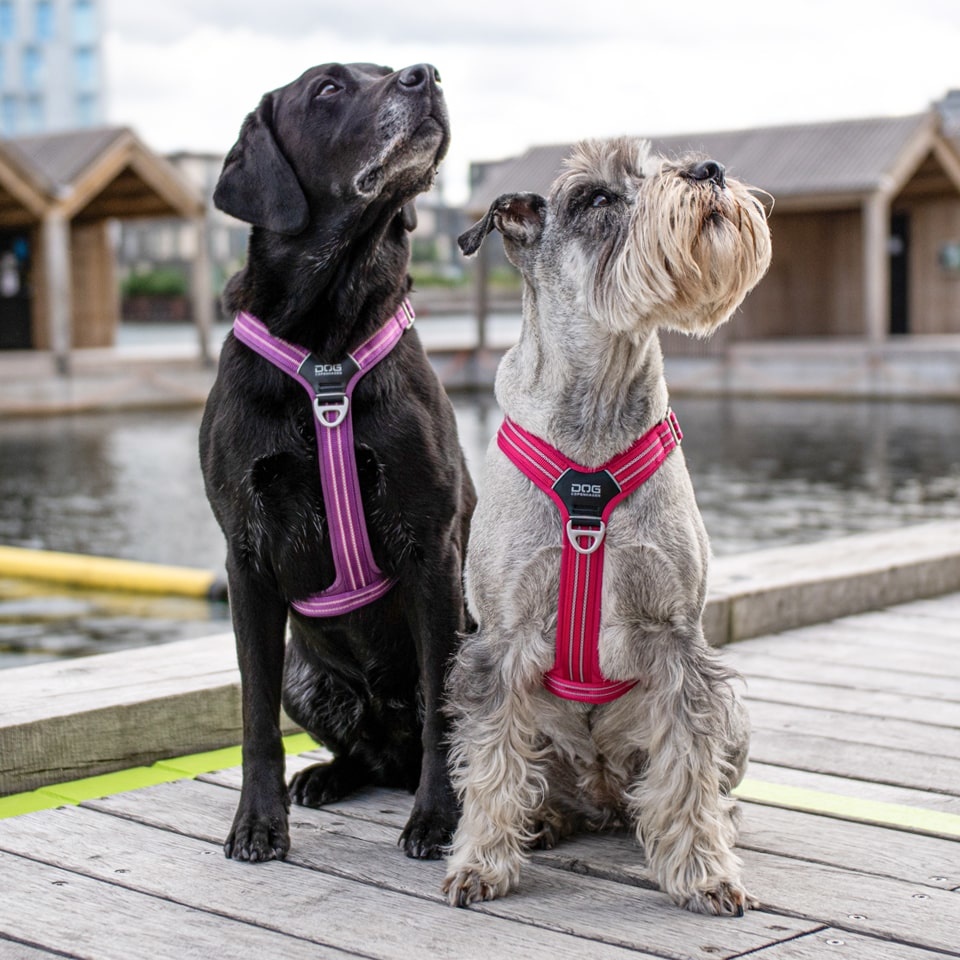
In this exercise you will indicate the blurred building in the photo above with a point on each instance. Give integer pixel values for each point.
(61, 195)
(168, 247)
(51, 66)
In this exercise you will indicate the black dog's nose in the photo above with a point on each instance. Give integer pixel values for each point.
(417, 76)
(709, 170)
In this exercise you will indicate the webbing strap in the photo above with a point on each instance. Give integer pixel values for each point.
(585, 498)
(330, 385)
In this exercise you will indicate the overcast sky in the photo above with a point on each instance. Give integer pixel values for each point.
(183, 73)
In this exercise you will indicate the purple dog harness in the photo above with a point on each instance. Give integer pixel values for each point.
(330, 385)
(585, 498)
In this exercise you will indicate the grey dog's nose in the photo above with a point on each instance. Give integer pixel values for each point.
(417, 76)
(709, 170)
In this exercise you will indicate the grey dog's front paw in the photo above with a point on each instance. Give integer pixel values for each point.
(725, 900)
(466, 886)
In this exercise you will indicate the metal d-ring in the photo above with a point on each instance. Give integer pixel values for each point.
(337, 407)
(595, 537)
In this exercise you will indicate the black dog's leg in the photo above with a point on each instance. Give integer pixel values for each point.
(435, 627)
(259, 830)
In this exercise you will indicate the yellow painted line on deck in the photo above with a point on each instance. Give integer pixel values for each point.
(107, 573)
(874, 812)
(163, 771)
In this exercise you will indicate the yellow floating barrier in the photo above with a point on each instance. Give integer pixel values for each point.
(108, 573)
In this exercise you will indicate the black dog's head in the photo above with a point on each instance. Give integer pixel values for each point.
(341, 143)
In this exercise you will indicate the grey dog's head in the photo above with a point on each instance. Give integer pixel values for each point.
(338, 144)
(634, 240)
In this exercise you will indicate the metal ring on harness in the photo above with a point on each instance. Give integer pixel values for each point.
(338, 408)
(595, 536)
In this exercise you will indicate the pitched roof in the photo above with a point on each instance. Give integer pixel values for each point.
(105, 171)
(62, 157)
(838, 157)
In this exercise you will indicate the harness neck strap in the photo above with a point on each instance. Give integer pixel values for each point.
(330, 386)
(585, 498)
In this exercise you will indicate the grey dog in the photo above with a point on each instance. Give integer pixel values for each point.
(626, 242)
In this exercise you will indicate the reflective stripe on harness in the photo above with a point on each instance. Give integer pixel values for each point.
(330, 385)
(586, 498)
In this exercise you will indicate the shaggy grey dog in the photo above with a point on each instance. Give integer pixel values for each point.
(626, 242)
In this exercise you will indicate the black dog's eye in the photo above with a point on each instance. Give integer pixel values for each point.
(328, 89)
(600, 198)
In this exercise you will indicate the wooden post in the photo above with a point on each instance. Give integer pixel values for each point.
(56, 254)
(876, 267)
(202, 289)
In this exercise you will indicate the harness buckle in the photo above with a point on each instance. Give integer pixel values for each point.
(338, 407)
(674, 426)
(593, 535)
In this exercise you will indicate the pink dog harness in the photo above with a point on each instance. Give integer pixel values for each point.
(330, 385)
(586, 499)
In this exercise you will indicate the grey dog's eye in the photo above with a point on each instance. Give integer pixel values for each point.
(601, 199)
(328, 89)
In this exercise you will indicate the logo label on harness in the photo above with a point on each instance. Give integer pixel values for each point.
(586, 494)
(327, 379)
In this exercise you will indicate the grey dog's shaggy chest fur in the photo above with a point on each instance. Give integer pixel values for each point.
(626, 243)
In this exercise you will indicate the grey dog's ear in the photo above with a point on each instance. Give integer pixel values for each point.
(257, 184)
(518, 216)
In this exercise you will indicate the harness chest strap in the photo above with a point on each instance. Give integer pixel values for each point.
(585, 498)
(330, 385)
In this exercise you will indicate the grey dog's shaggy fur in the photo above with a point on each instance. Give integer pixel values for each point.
(626, 243)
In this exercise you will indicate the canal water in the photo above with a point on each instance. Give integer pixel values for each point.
(766, 473)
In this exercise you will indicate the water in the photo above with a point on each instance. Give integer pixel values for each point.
(767, 473)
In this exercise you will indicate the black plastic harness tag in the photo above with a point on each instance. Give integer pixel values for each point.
(329, 382)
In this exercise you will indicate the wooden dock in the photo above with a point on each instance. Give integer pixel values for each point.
(850, 839)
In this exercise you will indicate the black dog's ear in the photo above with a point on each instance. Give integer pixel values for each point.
(518, 216)
(408, 216)
(257, 184)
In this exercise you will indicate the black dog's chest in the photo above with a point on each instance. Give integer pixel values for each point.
(288, 519)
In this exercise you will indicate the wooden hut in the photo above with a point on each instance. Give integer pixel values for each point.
(59, 194)
(866, 223)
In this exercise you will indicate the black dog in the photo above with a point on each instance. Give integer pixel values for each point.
(326, 170)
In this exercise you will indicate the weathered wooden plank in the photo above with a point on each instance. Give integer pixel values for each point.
(860, 761)
(95, 715)
(11, 950)
(925, 740)
(837, 891)
(946, 607)
(366, 850)
(768, 659)
(847, 899)
(860, 789)
(938, 633)
(332, 910)
(842, 945)
(82, 917)
(827, 643)
(119, 679)
(928, 861)
(938, 713)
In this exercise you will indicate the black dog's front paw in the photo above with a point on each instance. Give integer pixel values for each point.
(427, 836)
(257, 838)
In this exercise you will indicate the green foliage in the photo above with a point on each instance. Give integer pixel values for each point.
(161, 282)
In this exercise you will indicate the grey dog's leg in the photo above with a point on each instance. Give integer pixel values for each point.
(684, 815)
(501, 783)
